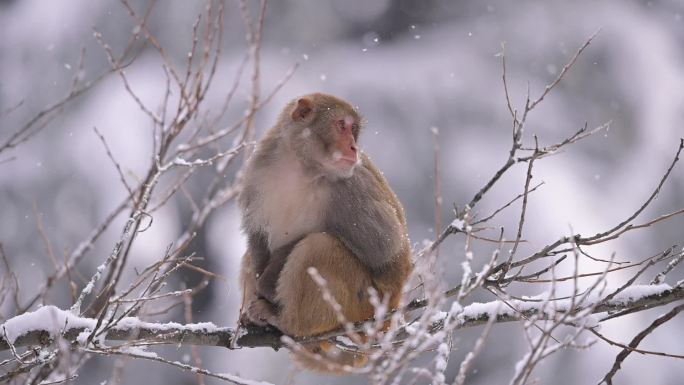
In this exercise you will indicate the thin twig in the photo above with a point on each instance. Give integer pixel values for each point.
(116, 164)
(608, 378)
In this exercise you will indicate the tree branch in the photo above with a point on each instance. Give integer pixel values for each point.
(207, 334)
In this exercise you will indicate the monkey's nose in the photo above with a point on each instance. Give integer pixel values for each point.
(353, 148)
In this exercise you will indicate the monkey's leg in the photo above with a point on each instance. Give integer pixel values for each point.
(303, 309)
(253, 310)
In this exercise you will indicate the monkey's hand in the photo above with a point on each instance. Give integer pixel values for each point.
(262, 313)
(266, 288)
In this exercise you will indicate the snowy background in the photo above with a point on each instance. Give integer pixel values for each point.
(408, 66)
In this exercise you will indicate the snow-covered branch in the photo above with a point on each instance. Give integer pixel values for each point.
(44, 325)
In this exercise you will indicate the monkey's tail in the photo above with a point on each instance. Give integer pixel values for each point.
(327, 358)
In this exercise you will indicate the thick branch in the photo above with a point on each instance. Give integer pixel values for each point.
(209, 335)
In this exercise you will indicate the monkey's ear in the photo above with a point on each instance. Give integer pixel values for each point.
(303, 111)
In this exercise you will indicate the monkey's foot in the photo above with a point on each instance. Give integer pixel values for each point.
(262, 313)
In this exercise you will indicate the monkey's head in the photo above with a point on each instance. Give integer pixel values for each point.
(324, 132)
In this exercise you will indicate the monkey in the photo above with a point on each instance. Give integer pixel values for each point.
(312, 199)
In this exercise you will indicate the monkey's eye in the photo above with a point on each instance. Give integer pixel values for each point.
(355, 129)
(340, 125)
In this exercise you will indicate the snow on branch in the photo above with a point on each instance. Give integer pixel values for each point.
(42, 326)
(640, 297)
(45, 324)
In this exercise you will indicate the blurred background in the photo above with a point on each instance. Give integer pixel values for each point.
(409, 66)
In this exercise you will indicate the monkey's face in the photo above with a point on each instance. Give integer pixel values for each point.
(329, 134)
(343, 154)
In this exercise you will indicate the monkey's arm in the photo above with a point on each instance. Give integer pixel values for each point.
(257, 244)
(268, 279)
(366, 220)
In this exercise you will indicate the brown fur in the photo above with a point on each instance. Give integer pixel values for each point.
(299, 213)
(304, 310)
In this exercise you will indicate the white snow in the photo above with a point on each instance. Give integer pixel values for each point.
(238, 380)
(630, 294)
(438, 316)
(636, 292)
(443, 349)
(592, 321)
(455, 307)
(48, 318)
(82, 337)
(458, 224)
(181, 162)
(138, 351)
(55, 320)
(135, 323)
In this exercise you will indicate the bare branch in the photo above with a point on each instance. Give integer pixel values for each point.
(565, 69)
(608, 378)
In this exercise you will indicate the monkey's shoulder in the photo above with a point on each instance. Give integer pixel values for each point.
(366, 186)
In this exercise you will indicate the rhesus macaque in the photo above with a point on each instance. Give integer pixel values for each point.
(311, 198)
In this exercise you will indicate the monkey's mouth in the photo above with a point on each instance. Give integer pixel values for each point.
(346, 165)
(349, 160)
(343, 167)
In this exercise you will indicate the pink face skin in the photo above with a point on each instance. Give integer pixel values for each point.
(345, 154)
